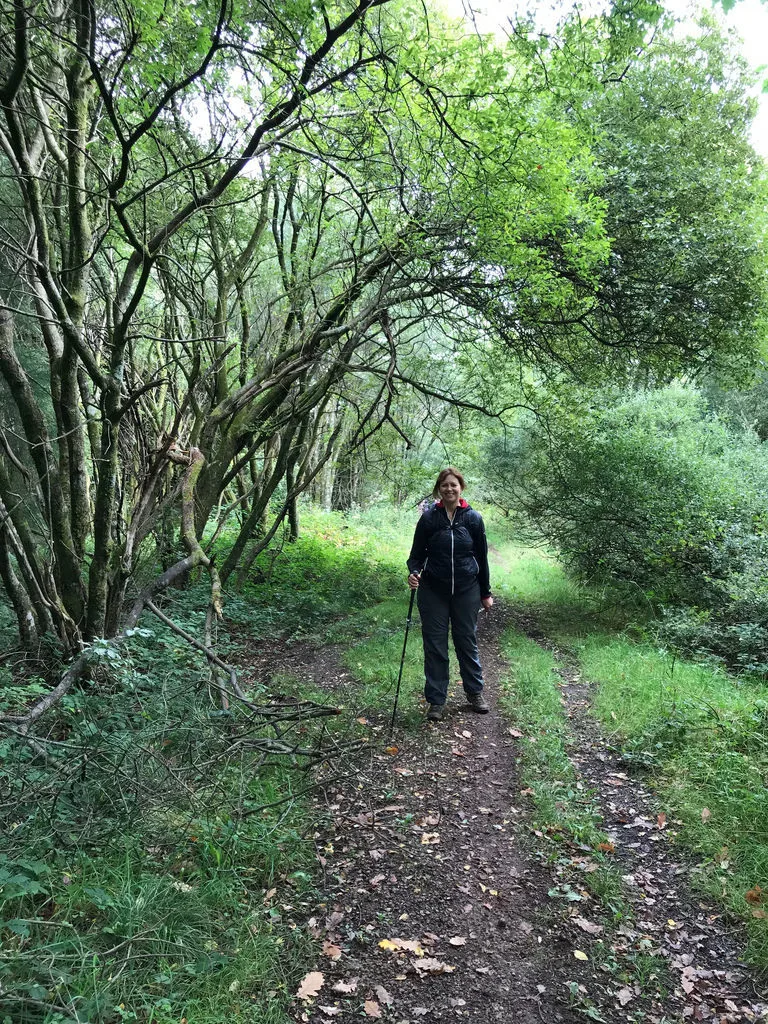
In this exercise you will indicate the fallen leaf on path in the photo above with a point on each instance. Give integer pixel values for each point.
(310, 985)
(587, 926)
(372, 1008)
(466, 734)
(706, 814)
(377, 879)
(420, 1011)
(332, 950)
(755, 895)
(515, 732)
(431, 965)
(409, 945)
(391, 750)
(661, 820)
(384, 996)
(430, 838)
(606, 847)
(458, 753)
(527, 792)
(458, 940)
(346, 987)
(759, 913)
(580, 955)
(624, 996)
(362, 721)
(330, 1011)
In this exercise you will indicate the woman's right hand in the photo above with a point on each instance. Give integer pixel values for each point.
(413, 580)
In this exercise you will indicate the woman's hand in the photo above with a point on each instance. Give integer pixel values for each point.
(487, 603)
(413, 580)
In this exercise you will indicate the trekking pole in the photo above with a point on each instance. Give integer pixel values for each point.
(402, 662)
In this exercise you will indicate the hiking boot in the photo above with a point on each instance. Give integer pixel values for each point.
(478, 703)
(435, 712)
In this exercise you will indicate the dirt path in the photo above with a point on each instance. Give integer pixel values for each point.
(423, 854)
(441, 901)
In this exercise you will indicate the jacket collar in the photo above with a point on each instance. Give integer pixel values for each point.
(462, 504)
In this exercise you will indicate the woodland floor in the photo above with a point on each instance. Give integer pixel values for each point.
(442, 901)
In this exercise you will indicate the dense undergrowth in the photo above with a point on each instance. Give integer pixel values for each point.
(152, 857)
(154, 863)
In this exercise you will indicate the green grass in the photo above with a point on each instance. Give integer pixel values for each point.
(138, 933)
(530, 696)
(702, 735)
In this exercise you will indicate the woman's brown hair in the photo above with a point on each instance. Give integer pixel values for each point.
(448, 471)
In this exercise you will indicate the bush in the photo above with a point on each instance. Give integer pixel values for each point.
(652, 491)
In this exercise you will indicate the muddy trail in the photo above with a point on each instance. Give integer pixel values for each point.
(442, 900)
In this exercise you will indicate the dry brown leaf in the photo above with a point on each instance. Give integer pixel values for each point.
(624, 995)
(391, 750)
(458, 940)
(706, 814)
(372, 1008)
(587, 926)
(330, 1011)
(661, 820)
(515, 732)
(759, 913)
(346, 987)
(310, 985)
(755, 895)
(383, 996)
(430, 838)
(431, 965)
(606, 847)
(580, 955)
(377, 879)
(331, 949)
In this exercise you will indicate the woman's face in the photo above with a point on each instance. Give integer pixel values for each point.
(450, 490)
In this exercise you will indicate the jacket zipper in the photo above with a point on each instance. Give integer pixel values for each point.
(450, 521)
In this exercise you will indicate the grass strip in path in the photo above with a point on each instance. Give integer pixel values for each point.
(647, 890)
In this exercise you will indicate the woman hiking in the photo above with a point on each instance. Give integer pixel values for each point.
(448, 566)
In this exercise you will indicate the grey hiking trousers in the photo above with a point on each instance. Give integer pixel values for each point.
(438, 611)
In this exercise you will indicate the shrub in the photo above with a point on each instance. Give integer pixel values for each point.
(653, 491)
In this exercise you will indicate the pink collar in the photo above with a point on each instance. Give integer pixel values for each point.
(462, 504)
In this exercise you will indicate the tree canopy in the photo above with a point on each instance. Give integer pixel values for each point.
(241, 242)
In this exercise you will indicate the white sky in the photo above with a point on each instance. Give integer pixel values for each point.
(748, 17)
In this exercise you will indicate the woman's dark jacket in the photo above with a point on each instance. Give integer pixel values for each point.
(451, 557)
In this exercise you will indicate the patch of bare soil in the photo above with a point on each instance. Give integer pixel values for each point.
(277, 658)
(435, 907)
(697, 940)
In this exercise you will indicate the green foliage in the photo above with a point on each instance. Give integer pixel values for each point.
(651, 491)
(342, 562)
